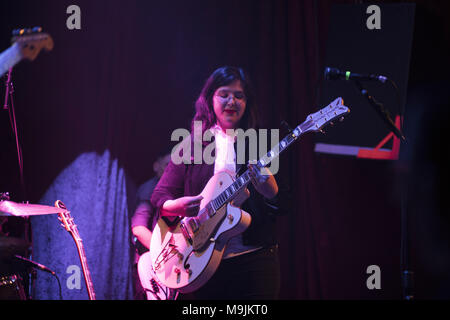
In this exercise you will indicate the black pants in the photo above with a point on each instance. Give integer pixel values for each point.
(251, 276)
(138, 291)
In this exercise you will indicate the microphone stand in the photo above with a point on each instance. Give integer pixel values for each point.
(406, 273)
(9, 105)
(382, 112)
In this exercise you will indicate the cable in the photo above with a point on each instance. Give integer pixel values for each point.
(400, 110)
(59, 285)
(406, 275)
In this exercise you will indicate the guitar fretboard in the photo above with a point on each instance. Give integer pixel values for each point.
(70, 226)
(314, 122)
(243, 180)
(87, 275)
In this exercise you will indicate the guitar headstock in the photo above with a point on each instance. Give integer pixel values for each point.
(32, 41)
(66, 218)
(316, 121)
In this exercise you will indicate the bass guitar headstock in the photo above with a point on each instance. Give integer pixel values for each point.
(31, 41)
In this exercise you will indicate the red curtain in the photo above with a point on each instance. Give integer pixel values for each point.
(130, 76)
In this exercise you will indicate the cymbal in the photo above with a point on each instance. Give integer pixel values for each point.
(10, 208)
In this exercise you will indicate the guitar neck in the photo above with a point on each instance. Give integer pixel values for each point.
(69, 225)
(9, 58)
(84, 265)
(240, 183)
(313, 122)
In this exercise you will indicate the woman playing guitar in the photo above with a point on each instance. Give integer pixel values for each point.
(249, 268)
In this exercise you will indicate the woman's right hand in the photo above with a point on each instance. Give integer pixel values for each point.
(187, 206)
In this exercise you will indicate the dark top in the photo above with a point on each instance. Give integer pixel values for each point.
(144, 215)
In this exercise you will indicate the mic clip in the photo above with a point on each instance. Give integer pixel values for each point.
(286, 126)
(382, 112)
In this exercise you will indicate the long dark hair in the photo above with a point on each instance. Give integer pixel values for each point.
(204, 110)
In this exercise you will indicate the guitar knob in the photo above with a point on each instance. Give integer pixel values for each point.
(189, 271)
(154, 285)
(230, 218)
(177, 271)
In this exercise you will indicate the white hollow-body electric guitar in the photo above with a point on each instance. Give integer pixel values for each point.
(185, 256)
(154, 289)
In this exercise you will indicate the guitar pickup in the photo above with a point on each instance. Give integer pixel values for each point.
(186, 234)
(194, 225)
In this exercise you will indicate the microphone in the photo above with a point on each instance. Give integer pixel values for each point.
(336, 74)
(34, 264)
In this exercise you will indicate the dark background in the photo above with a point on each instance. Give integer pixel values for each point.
(130, 76)
(384, 51)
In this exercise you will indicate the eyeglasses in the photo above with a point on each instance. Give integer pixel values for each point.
(227, 94)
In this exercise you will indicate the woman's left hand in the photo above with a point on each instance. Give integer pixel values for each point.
(258, 176)
(263, 181)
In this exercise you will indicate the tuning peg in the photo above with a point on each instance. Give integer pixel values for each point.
(321, 131)
(4, 196)
(341, 119)
(23, 31)
(18, 32)
(331, 123)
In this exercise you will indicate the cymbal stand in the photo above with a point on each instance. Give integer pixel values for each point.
(9, 105)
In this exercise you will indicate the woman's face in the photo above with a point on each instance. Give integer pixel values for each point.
(229, 104)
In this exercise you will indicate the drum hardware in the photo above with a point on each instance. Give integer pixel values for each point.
(26, 44)
(11, 288)
(10, 208)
